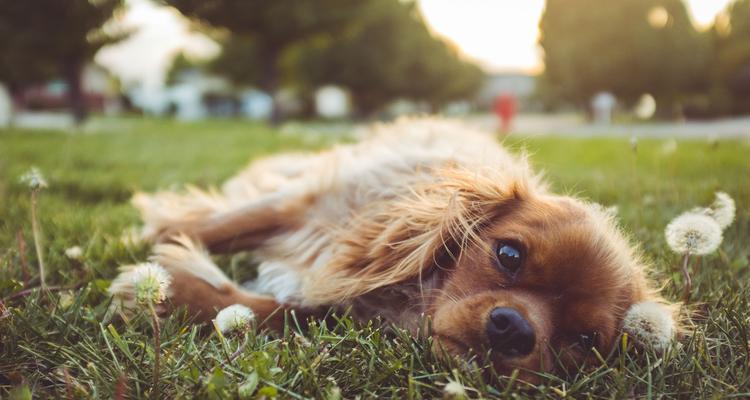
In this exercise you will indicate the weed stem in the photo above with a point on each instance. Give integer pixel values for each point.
(37, 238)
(157, 349)
(688, 281)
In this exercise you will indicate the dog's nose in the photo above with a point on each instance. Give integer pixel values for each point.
(509, 333)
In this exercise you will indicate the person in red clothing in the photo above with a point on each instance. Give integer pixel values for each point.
(505, 109)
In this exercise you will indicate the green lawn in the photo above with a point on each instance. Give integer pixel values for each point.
(59, 345)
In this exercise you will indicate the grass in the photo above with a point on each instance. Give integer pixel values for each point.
(59, 344)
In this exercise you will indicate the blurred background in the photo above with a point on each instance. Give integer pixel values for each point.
(564, 66)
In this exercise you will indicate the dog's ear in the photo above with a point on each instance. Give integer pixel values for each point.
(402, 238)
(652, 324)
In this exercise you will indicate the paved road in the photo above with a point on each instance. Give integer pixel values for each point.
(572, 125)
(525, 124)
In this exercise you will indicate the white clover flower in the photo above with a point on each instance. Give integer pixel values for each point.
(650, 324)
(693, 233)
(454, 390)
(34, 179)
(150, 283)
(234, 317)
(74, 253)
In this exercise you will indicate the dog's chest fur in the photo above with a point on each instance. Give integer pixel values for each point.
(348, 180)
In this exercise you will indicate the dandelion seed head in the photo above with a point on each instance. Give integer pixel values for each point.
(74, 253)
(454, 390)
(651, 324)
(693, 233)
(34, 179)
(713, 140)
(302, 341)
(723, 209)
(234, 317)
(612, 211)
(668, 147)
(150, 283)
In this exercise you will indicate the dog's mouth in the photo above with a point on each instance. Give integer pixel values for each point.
(503, 365)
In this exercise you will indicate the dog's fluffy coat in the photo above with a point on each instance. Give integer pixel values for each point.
(400, 225)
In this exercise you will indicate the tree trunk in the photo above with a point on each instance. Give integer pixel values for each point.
(76, 98)
(667, 108)
(271, 80)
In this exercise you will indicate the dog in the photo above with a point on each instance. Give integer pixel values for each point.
(423, 218)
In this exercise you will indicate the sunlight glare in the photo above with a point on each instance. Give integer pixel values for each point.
(501, 35)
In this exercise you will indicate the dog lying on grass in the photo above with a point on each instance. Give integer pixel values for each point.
(425, 217)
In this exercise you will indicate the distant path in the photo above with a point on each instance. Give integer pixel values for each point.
(573, 125)
(526, 124)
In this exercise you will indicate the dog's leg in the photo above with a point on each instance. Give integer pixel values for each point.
(227, 228)
(201, 287)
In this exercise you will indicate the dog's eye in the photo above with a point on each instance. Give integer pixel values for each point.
(510, 256)
(588, 340)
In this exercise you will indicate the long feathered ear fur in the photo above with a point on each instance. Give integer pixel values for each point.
(402, 238)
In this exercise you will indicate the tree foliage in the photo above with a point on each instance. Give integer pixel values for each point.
(627, 47)
(50, 38)
(379, 49)
(399, 57)
(241, 61)
(183, 63)
(262, 31)
(730, 91)
(390, 54)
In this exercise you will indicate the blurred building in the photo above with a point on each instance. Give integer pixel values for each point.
(256, 104)
(197, 95)
(332, 102)
(98, 85)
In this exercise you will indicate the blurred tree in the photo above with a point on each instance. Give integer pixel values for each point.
(264, 30)
(181, 64)
(730, 90)
(46, 38)
(390, 54)
(239, 60)
(627, 47)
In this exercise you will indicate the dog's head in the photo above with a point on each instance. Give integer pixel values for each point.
(538, 280)
(545, 282)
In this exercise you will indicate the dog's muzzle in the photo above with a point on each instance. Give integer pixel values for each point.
(509, 333)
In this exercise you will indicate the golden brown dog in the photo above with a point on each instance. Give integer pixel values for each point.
(425, 217)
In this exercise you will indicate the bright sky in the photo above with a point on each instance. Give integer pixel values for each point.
(499, 34)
